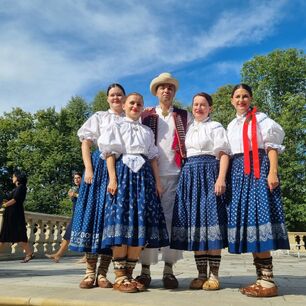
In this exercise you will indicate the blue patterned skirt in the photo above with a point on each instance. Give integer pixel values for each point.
(88, 217)
(134, 216)
(256, 221)
(199, 220)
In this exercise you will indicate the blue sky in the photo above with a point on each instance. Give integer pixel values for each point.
(53, 50)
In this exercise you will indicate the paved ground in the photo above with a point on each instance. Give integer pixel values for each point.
(41, 282)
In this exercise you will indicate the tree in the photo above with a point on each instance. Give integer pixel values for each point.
(223, 111)
(274, 75)
(292, 165)
(100, 102)
(10, 125)
(71, 118)
(49, 151)
(41, 153)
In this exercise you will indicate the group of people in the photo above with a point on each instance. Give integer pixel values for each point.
(162, 181)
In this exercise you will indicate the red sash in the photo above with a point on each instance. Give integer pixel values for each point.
(251, 116)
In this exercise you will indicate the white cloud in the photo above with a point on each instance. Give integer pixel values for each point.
(228, 67)
(51, 51)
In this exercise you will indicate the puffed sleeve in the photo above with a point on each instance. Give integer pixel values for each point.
(111, 141)
(152, 150)
(272, 134)
(221, 143)
(90, 129)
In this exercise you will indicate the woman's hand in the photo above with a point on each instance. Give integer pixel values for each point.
(88, 176)
(220, 186)
(112, 186)
(273, 181)
(70, 193)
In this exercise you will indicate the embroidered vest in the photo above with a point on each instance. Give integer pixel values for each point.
(150, 119)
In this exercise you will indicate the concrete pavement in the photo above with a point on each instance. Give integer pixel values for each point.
(42, 282)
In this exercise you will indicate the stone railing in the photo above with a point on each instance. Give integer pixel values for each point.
(45, 232)
(293, 244)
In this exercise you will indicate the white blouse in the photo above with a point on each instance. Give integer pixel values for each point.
(165, 136)
(94, 126)
(206, 138)
(128, 137)
(269, 133)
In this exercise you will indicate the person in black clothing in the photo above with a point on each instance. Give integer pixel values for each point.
(73, 195)
(298, 241)
(14, 224)
(304, 240)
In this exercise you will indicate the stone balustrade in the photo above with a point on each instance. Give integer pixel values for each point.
(45, 232)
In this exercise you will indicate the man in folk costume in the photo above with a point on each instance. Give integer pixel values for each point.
(169, 125)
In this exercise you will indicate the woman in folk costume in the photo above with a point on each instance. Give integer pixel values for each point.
(133, 215)
(199, 221)
(256, 220)
(88, 218)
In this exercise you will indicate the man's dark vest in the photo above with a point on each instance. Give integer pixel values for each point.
(150, 119)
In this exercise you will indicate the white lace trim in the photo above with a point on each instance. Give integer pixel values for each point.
(264, 233)
(211, 233)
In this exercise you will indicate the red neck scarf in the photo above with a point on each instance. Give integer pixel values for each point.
(251, 116)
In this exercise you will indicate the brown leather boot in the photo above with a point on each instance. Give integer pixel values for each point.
(264, 286)
(102, 280)
(256, 290)
(122, 282)
(88, 281)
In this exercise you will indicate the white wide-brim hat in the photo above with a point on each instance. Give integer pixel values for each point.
(163, 78)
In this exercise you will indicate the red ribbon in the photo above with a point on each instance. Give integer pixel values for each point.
(176, 148)
(251, 116)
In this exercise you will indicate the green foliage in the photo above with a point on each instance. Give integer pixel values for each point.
(65, 207)
(292, 161)
(223, 110)
(11, 124)
(100, 102)
(274, 75)
(178, 104)
(46, 146)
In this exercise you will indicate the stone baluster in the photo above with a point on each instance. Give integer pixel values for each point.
(44, 231)
(47, 237)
